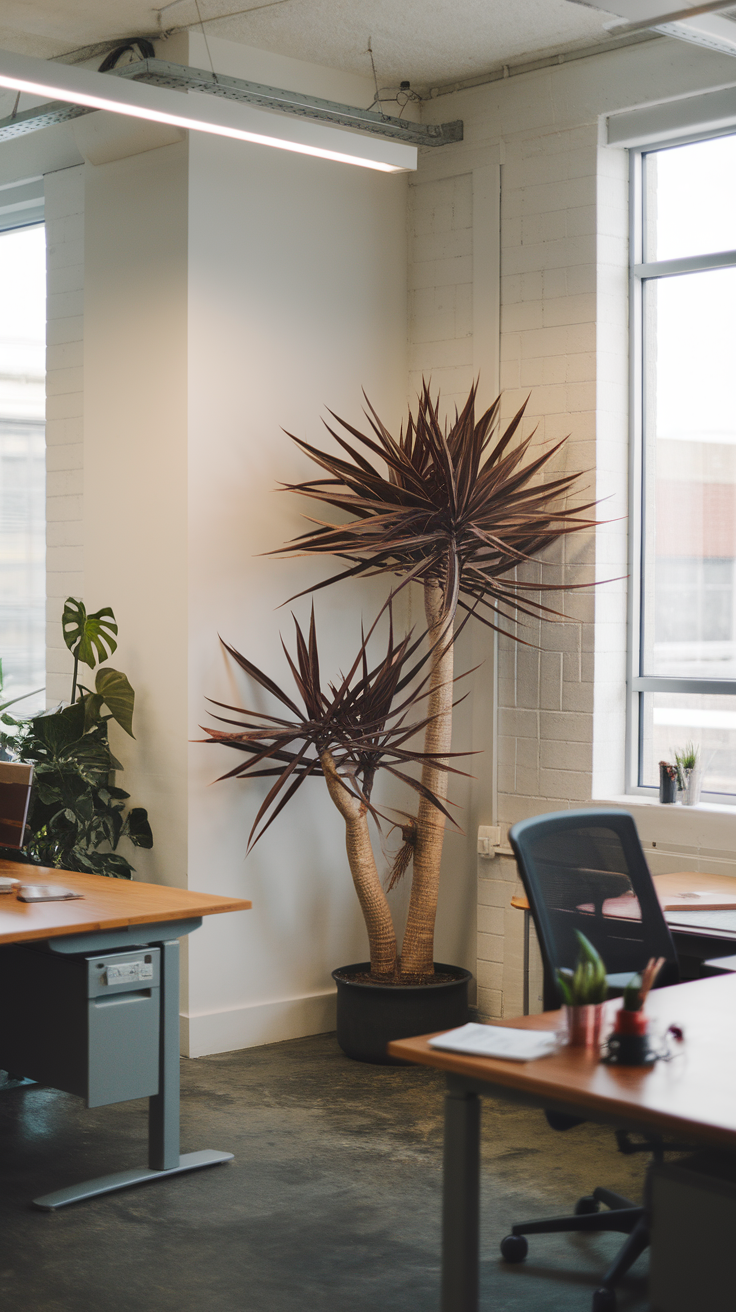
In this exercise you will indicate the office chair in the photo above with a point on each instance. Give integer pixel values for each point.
(571, 863)
(15, 796)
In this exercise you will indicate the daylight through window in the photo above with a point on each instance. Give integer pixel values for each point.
(684, 333)
(22, 463)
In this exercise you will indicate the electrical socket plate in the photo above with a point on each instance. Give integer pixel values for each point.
(489, 838)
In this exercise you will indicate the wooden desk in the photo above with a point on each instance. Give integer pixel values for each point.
(106, 904)
(116, 914)
(686, 890)
(691, 1096)
(700, 910)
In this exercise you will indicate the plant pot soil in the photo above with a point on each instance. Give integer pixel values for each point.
(370, 1015)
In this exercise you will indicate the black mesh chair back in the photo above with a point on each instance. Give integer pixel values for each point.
(586, 870)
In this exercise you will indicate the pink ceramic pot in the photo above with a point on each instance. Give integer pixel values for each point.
(584, 1025)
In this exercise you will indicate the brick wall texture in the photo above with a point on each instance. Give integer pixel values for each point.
(562, 201)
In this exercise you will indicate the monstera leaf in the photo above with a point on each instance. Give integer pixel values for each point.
(114, 692)
(88, 637)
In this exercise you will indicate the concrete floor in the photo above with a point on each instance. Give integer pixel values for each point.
(332, 1203)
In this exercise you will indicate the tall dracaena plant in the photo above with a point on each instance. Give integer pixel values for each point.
(457, 508)
(346, 733)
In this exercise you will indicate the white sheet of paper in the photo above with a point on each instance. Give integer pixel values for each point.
(497, 1041)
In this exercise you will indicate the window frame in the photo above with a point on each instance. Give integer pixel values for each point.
(17, 219)
(637, 684)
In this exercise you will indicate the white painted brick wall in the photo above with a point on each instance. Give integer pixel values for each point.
(561, 245)
(441, 286)
(64, 193)
(548, 349)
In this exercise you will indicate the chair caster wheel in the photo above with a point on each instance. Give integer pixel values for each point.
(514, 1248)
(585, 1206)
(604, 1300)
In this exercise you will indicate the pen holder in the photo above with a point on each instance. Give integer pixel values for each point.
(667, 782)
(628, 1044)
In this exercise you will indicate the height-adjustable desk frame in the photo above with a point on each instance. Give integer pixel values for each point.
(113, 915)
(690, 1098)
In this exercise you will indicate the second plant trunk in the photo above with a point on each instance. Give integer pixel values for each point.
(373, 903)
(417, 954)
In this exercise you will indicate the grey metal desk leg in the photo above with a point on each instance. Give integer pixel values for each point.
(461, 1201)
(163, 1109)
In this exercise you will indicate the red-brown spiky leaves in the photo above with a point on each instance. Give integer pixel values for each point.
(450, 505)
(362, 721)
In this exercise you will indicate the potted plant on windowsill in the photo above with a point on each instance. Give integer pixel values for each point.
(456, 509)
(689, 774)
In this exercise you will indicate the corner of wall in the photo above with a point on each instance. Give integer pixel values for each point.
(64, 211)
(612, 473)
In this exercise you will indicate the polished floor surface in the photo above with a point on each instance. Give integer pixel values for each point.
(332, 1203)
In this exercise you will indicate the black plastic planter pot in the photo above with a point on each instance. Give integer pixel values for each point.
(369, 1016)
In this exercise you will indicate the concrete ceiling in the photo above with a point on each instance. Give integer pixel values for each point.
(426, 41)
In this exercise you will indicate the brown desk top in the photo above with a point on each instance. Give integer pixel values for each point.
(107, 904)
(686, 890)
(694, 1095)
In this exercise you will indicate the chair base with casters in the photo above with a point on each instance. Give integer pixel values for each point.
(621, 1215)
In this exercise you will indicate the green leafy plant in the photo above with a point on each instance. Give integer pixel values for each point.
(685, 762)
(586, 985)
(77, 817)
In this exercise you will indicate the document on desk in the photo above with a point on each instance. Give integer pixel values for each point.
(46, 893)
(497, 1041)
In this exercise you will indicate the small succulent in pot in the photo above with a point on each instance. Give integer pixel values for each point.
(584, 990)
(586, 985)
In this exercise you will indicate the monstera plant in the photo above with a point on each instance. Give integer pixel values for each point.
(457, 509)
(77, 817)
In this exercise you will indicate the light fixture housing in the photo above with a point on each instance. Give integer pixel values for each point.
(201, 113)
(706, 26)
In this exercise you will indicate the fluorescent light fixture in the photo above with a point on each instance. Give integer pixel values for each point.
(201, 113)
(702, 24)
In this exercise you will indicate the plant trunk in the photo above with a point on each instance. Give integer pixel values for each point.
(417, 954)
(74, 678)
(373, 903)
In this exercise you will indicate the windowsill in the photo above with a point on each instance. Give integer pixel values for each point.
(705, 833)
(640, 799)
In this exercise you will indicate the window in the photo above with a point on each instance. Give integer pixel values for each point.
(22, 463)
(683, 298)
